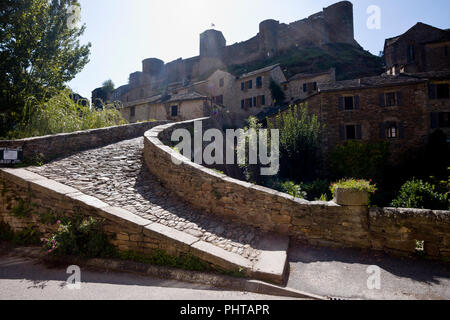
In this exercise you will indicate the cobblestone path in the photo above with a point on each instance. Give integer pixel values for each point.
(116, 175)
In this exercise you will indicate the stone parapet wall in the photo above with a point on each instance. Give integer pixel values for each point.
(128, 231)
(53, 146)
(318, 223)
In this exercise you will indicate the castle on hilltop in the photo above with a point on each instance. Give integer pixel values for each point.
(332, 25)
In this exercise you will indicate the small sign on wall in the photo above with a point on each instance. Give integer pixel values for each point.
(11, 156)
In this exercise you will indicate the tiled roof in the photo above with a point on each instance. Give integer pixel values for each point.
(186, 96)
(369, 82)
(443, 74)
(436, 36)
(168, 98)
(253, 73)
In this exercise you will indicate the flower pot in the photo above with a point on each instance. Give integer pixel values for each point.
(351, 197)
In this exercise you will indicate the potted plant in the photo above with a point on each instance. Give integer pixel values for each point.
(352, 192)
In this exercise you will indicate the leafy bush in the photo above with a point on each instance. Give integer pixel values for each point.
(317, 190)
(28, 236)
(61, 114)
(359, 160)
(421, 195)
(6, 233)
(277, 93)
(299, 141)
(80, 237)
(293, 189)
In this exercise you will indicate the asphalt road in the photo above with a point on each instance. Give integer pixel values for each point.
(27, 279)
(343, 273)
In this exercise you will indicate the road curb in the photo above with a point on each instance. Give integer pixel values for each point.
(216, 280)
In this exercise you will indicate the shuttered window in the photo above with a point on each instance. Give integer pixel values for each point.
(174, 111)
(259, 82)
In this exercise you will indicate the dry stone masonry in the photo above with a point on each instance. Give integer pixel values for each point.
(318, 223)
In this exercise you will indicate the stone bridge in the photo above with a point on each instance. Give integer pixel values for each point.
(127, 178)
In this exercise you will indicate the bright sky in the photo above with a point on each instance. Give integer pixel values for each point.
(124, 32)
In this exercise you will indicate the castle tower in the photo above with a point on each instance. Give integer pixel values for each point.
(339, 22)
(268, 36)
(152, 66)
(211, 43)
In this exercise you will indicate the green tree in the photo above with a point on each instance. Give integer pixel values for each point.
(39, 53)
(108, 87)
(299, 143)
(277, 93)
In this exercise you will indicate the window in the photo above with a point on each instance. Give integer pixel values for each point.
(391, 131)
(221, 82)
(248, 102)
(218, 99)
(259, 82)
(242, 104)
(350, 132)
(444, 120)
(411, 53)
(246, 85)
(254, 102)
(442, 91)
(174, 111)
(348, 103)
(310, 87)
(391, 99)
(132, 111)
(263, 100)
(285, 87)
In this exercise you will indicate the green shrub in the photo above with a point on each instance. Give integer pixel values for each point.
(293, 189)
(299, 142)
(61, 114)
(28, 236)
(6, 233)
(317, 190)
(421, 195)
(360, 160)
(80, 237)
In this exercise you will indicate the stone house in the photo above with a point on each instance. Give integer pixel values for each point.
(422, 48)
(303, 85)
(402, 109)
(176, 107)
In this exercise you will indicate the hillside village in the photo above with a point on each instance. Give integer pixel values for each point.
(403, 104)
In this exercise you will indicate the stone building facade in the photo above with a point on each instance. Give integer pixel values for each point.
(422, 48)
(303, 85)
(177, 107)
(402, 109)
(239, 97)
